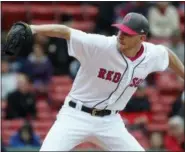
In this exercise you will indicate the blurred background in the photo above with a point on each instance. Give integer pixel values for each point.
(35, 83)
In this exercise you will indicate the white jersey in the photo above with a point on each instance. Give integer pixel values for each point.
(107, 78)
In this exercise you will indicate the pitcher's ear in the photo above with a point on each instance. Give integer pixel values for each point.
(143, 37)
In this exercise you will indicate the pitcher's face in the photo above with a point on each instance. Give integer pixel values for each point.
(127, 42)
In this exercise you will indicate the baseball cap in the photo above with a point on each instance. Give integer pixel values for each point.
(133, 24)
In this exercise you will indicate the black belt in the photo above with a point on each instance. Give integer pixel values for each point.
(92, 111)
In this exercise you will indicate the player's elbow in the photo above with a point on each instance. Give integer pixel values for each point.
(62, 31)
(175, 64)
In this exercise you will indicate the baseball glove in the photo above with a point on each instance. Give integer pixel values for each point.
(19, 36)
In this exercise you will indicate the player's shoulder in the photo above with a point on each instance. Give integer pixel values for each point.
(150, 47)
(101, 41)
(103, 37)
(154, 50)
(148, 44)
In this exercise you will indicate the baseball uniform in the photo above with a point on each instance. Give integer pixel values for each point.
(105, 81)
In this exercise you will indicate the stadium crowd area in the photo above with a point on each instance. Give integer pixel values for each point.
(35, 83)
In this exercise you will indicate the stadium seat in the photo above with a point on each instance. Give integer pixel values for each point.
(6, 124)
(153, 98)
(6, 141)
(132, 116)
(39, 21)
(168, 81)
(70, 9)
(141, 138)
(58, 97)
(182, 28)
(42, 125)
(157, 127)
(83, 25)
(3, 114)
(13, 3)
(42, 12)
(41, 134)
(3, 104)
(12, 13)
(159, 118)
(150, 91)
(159, 107)
(76, 10)
(6, 134)
(137, 134)
(181, 15)
(144, 143)
(89, 12)
(44, 115)
(62, 89)
(67, 3)
(54, 114)
(45, 3)
(9, 127)
(58, 90)
(12, 124)
(61, 80)
(167, 99)
(92, 10)
(42, 106)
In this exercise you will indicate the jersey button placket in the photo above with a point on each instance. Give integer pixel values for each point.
(120, 89)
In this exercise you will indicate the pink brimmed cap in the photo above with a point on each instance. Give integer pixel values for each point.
(133, 24)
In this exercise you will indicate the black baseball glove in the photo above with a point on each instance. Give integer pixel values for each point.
(19, 36)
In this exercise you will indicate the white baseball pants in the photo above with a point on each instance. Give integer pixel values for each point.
(73, 127)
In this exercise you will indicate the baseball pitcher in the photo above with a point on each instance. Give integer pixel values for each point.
(111, 69)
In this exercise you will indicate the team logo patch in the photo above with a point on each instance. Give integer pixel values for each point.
(127, 18)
